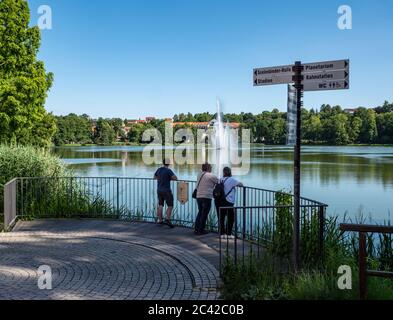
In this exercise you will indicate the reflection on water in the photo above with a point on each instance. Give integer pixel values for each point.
(349, 179)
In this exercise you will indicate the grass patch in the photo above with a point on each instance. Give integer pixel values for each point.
(271, 276)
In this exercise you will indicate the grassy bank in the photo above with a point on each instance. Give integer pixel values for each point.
(271, 277)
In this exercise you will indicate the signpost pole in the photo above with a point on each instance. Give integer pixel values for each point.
(317, 76)
(297, 167)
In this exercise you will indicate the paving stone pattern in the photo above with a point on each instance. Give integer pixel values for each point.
(104, 260)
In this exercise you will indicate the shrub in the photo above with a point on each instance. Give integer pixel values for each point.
(48, 196)
(27, 162)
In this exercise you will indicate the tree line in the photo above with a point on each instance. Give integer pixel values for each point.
(329, 125)
(24, 85)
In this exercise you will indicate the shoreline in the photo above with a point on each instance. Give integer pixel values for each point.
(261, 144)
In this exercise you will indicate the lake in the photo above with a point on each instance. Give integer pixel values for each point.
(351, 180)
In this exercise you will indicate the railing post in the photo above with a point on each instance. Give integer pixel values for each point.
(362, 266)
(321, 236)
(117, 198)
(219, 240)
(72, 196)
(244, 212)
(235, 249)
(9, 204)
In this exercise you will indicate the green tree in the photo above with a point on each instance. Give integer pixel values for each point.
(24, 82)
(385, 127)
(354, 129)
(72, 129)
(117, 125)
(135, 133)
(385, 108)
(312, 128)
(368, 131)
(340, 129)
(104, 133)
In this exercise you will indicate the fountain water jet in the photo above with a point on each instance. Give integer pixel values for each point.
(223, 141)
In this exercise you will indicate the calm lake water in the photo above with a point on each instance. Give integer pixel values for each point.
(351, 180)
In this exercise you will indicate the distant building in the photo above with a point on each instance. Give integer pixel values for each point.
(350, 111)
(204, 125)
(140, 121)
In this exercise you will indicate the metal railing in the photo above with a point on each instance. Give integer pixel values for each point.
(258, 227)
(135, 199)
(103, 197)
(363, 230)
(123, 198)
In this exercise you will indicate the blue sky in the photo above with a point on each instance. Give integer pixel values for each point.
(131, 59)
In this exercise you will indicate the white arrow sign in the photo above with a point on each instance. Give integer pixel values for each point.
(273, 75)
(326, 85)
(326, 75)
(326, 66)
(273, 79)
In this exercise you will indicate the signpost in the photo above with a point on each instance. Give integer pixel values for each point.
(317, 76)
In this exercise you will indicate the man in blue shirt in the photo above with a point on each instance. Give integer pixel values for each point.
(164, 176)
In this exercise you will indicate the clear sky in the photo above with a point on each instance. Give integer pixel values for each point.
(136, 58)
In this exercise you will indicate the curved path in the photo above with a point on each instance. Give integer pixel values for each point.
(114, 260)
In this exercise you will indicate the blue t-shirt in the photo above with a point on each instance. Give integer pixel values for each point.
(164, 176)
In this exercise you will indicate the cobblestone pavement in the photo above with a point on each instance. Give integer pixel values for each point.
(94, 262)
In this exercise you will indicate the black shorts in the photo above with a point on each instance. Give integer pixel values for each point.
(165, 197)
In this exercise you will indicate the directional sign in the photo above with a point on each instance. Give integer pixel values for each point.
(326, 85)
(326, 66)
(273, 75)
(326, 75)
(272, 79)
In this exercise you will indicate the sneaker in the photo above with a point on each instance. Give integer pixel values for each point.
(159, 222)
(169, 224)
(224, 237)
(231, 237)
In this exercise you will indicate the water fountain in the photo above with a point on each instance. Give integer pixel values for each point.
(222, 142)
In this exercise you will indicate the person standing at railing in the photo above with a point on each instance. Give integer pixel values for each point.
(164, 176)
(227, 199)
(205, 185)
